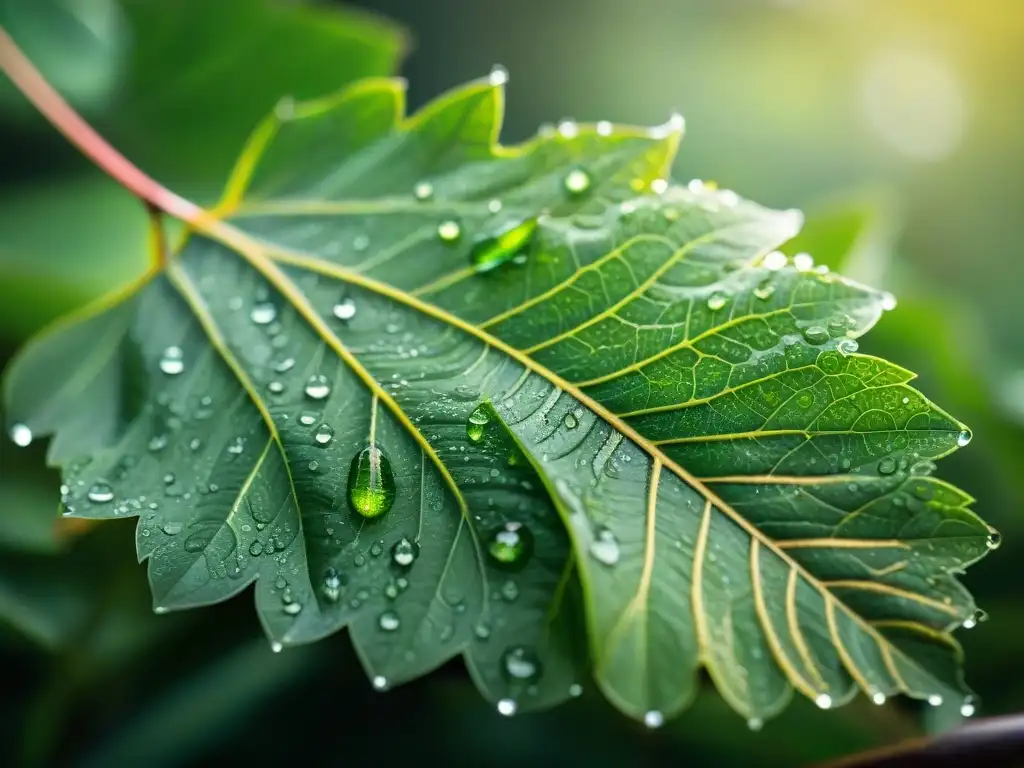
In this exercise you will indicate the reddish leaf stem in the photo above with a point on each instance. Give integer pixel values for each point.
(63, 117)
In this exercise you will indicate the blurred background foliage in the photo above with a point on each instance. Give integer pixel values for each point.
(896, 126)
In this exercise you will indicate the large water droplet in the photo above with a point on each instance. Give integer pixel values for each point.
(521, 664)
(511, 545)
(507, 707)
(755, 724)
(717, 301)
(995, 538)
(345, 309)
(424, 190)
(389, 621)
(478, 419)
(404, 552)
(654, 719)
(577, 181)
(492, 252)
(449, 231)
(774, 261)
(967, 709)
(816, 334)
(764, 290)
(847, 347)
(172, 528)
(21, 435)
(823, 700)
(888, 301)
(878, 698)
(371, 483)
(172, 361)
(887, 466)
(935, 700)
(570, 420)
(318, 387)
(100, 493)
(323, 434)
(293, 609)
(263, 313)
(605, 547)
(964, 438)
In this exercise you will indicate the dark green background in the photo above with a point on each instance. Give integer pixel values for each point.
(900, 120)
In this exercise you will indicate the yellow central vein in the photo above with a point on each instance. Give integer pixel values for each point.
(254, 251)
(904, 594)
(842, 544)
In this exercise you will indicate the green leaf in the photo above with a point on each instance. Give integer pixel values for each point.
(413, 382)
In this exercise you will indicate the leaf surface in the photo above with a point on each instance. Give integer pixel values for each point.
(426, 387)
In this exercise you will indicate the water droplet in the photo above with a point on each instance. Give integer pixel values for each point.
(360, 243)
(492, 252)
(935, 700)
(506, 707)
(314, 465)
(100, 493)
(21, 435)
(404, 552)
(716, 301)
(317, 387)
(967, 709)
(568, 129)
(774, 260)
(511, 545)
(964, 437)
(847, 347)
(292, 609)
(344, 309)
(521, 664)
(510, 591)
(389, 621)
(994, 539)
(195, 444)
(494, 205)
(764, 290)
(654, 719)
(878, 698)
(172, 361)
(605, 547)
(803, 262)
(276, 647)
(423, 191)
(380, 682)
(275, 387)
(570, 421)
(172, 529)
(255, 549)
(168, 479)
(308, 418)
(577, 181)
(755, 724)
(449, 231)
(823, 700)
(575, 690)
(263, 313)
(158, 442)
(371, 483)
(323, 434)
(285, 365)
(478, 419)
(816, 334)
(887, 466)
(659, 186)
(888, 301)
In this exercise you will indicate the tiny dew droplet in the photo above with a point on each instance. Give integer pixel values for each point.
(423, 191)
(577, 181)
(755, 723)
(276, 647)
(506, 707)
(478, 419)
(276, 387)
(263, 313)
(293, 609)
(570, 420)
(803, 262)
(764, 290)
(371, 483)
(345, 309)
(404, 552)
(823, 700)
(521, 664)
(323, 434)
(964, 437)
(888, 301)
(172, 362)
(654, 719)
(935, 700)
(717, 301)
(605, 547)
(308, 418)
(491, 252)
(511, 545)
(816, 334)
(887, 466)
(449, 231)
(380, 682)
(967, 709)
(575, 690)
(389, 621)
(317, 387)
(995, 538)
(847, 347)
(100, 493)
(878, 698)
(172, 528)
(21, 435)
(774, 260)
